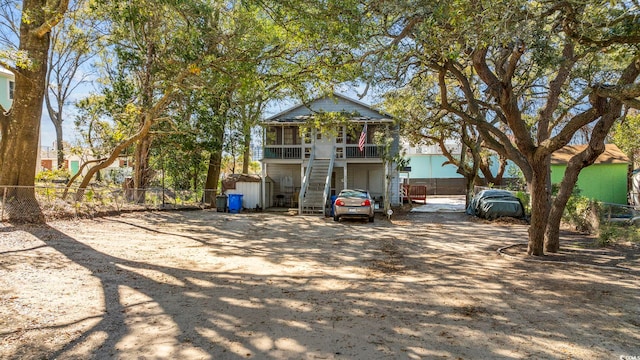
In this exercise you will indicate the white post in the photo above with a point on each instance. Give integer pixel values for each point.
(344, 176)
(264, 186)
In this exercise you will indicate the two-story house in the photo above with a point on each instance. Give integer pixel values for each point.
(302, 167)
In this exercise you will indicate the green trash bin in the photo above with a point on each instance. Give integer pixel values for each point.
(221, 203)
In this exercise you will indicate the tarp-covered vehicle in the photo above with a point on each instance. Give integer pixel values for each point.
(492, 204)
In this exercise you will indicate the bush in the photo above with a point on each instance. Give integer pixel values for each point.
(579, 211)
(53, 175)
(612, 233)
(525, 199)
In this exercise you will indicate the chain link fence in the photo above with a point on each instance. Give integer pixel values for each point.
(58, 202)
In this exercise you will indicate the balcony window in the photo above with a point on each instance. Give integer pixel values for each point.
(291, 136)
(274, 136)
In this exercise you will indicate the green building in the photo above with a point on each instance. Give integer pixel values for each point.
(605, 180)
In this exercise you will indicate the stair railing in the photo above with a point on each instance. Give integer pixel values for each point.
(327, 182)
(305, 180)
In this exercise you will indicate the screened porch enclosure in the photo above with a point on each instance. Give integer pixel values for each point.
(289, 142)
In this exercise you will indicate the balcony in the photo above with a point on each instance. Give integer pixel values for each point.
(283, 152)
(371, 151)
(295, 152)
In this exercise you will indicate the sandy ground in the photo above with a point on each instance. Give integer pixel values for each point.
(207, 285)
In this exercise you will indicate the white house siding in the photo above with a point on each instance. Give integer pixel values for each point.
(251, 194)
(285, 176)
(395, 188)
(366, 176)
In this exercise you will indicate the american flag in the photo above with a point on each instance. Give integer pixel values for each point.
(363, 137)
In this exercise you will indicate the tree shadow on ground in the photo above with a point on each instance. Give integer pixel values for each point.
(272, 287)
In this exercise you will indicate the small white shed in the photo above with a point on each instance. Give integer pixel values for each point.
(250, 186)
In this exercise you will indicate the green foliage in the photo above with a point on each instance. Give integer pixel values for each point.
(525, 199)
(50, 175)
(577, 210)
(625, 135)
(89, 195)
(612, 233)
(520, 182)
(328, 123)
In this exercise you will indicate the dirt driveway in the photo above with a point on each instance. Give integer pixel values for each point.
(206, 285)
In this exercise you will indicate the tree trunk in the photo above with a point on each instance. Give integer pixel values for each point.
(470, 182)
(611, 111)
(552, 231)
(213, 175)
(540, 197)
(20, 129)
(142, 171)
(246, 157)
(59, 144)
(485, 167)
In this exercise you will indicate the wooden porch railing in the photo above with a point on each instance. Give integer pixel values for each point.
(283, 152)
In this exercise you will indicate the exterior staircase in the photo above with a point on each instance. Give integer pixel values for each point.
(315, 190)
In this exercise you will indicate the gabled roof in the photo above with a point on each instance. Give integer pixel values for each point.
(329, 103)
(6, 72)
(611, 155)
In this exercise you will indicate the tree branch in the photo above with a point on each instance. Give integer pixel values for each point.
(54, 18)
(621, 92)
(555, 89)
(508, 102)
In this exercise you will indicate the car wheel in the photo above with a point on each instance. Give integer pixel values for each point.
(336, 218)
(371, 219)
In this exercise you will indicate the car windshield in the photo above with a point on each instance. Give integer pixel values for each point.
(353, 193)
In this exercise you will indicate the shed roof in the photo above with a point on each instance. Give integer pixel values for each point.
(611, 155)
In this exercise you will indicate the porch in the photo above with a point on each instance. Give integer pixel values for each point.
(301, 152)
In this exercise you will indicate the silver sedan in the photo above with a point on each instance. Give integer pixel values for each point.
(353, 203)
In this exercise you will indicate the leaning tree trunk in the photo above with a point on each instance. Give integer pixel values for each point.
(552, 232)
(20, 128)
(611, 111)
(539, 205)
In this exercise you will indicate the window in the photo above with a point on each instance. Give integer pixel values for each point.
(291, 136)
(340, 137)
(12, 86)
(306, 136)
(272, 135)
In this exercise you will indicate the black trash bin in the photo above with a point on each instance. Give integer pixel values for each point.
(221, 203)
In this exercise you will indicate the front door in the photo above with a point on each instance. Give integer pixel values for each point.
(324, 146)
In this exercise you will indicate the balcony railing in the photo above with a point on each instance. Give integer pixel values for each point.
(369, 152)
(283, 152)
